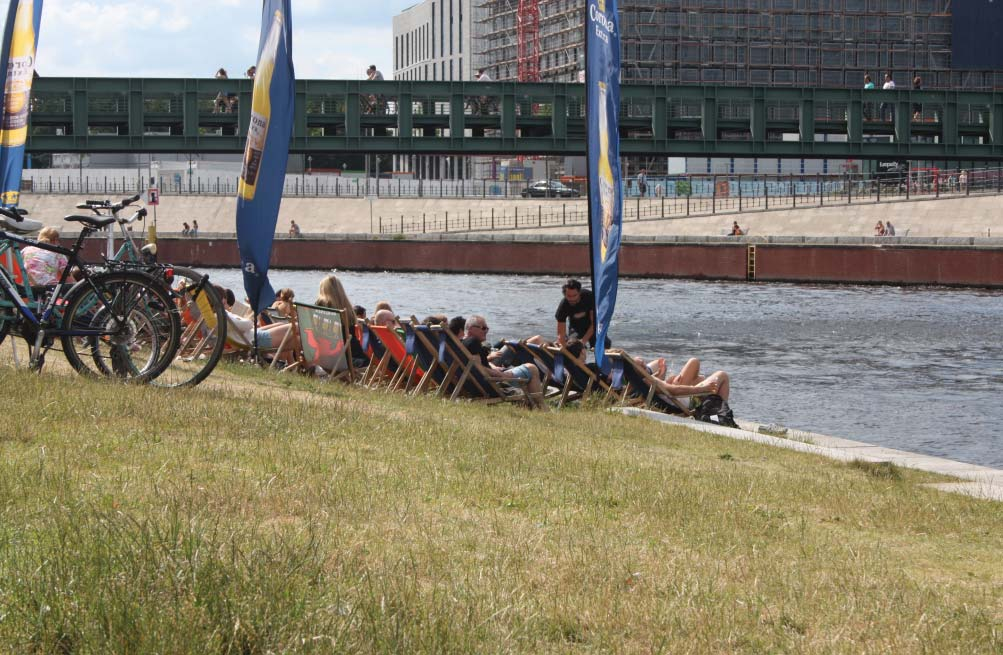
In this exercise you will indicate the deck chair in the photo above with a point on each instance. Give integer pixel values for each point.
(576, 380)
(632, 384)
(324, 340)
(237, 345)
(379, 358)
(472, 383)
(397, 363)
(528, 353)
(422, 342)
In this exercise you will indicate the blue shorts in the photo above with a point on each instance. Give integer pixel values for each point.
(522, 372)
(264, 339)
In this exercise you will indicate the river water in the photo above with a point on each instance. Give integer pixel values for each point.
(920, 369)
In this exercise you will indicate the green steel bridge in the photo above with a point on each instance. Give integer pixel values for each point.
(90, 115)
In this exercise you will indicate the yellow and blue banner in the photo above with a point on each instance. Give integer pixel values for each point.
(20, 41)
(602, 94)
(259, 191)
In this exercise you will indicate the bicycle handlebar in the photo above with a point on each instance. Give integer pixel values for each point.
(138, 216)
(97, 205)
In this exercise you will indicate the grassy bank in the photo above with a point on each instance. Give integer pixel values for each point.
(280, 515)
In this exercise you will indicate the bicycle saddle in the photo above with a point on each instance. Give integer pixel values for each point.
(97, 222)
(24, 226)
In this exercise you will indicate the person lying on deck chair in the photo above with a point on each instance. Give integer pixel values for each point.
(688, 378)
(477, 334)
(270, 337)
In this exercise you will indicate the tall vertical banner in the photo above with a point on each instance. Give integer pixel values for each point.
(20, 40)
(259, 191)
(602, 92)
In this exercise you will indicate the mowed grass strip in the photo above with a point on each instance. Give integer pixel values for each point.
(278, 514)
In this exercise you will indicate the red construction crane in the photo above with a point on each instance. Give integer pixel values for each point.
(528, 24)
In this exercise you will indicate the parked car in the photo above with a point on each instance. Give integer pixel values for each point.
(551, 189)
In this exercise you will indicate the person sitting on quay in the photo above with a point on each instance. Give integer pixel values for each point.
(194, 232)
(294, 229)
(879, 229)
(185, 229)
(889, 229)
(736, 230)
(477, 334)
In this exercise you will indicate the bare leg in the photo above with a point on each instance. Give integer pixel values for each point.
(536, 340)
(723, 382)
(689, 375)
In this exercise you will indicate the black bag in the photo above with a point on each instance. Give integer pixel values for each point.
(715, 409)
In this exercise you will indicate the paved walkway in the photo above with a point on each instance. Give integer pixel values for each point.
(977, 481)
(958, 217)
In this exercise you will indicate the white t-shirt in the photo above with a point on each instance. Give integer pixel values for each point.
(889, 85)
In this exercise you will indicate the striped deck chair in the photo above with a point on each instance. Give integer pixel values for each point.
(632, 384)
(576, 380)
(324, 339)
(529, 353)
(472, 383)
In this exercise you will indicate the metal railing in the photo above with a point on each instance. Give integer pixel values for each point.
(711, 195)
(321, 185)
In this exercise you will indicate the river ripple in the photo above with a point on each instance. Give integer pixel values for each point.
(919, 369)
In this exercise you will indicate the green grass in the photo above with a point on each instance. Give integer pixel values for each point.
(279, 514)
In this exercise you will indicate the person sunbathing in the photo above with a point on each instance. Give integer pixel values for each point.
(688, 381)
(270, 337)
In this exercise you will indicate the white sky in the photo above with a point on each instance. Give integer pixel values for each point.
(332, 39)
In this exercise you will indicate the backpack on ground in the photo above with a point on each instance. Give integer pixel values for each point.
(715, 409)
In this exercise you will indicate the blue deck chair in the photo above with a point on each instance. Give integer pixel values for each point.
(422, 344)
(576, 380)
(632, 384)
(472, 383)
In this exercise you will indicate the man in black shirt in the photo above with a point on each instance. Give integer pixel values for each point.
(477, 334)
(576, 315)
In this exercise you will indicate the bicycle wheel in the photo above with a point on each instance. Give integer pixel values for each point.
(203, 325)
(122, 324)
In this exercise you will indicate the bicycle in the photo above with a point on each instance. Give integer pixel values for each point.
(120, 323)
(202, 313)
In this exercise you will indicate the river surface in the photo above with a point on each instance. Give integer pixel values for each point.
(920, 369)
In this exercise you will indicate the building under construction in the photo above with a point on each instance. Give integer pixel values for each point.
(797, 43)
(829, 43)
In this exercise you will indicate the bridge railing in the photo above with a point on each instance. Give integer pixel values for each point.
(711, 195)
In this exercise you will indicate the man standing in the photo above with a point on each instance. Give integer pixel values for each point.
(642, 182)
(477, 334)
(576, 315)
(888, 108)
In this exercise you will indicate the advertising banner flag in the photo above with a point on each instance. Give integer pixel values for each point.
(259, 191)
(602, 92)
(20, 40)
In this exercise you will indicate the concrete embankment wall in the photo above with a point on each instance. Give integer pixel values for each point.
(957, 262)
